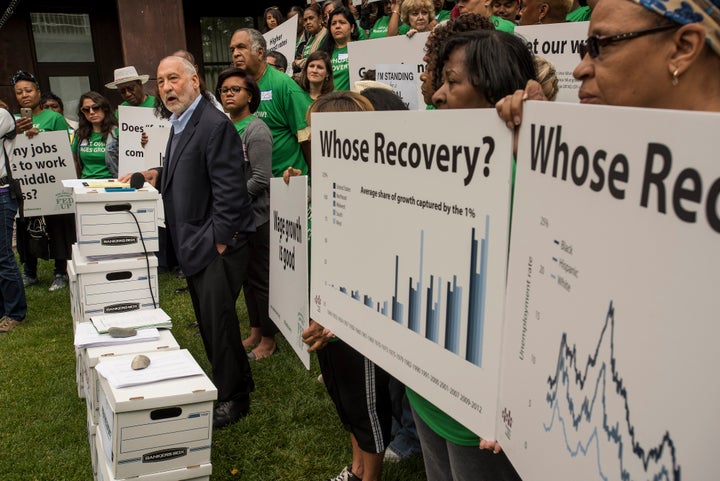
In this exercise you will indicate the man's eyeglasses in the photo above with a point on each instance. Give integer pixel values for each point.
(234, 89)
(594, 42)
(93, 107)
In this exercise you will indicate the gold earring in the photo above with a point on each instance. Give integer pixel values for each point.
(675, 78)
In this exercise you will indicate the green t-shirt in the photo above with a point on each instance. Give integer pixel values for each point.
(49, 121)
(149, 102)
(360, 30)
(92, 157)
(241, 125)
(442, 424)
(380, 29)
(341, 68)
(442, 15)
(580, 14)
(282, 107)
(502, 24)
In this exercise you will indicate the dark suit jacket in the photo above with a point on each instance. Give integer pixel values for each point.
(204, 189)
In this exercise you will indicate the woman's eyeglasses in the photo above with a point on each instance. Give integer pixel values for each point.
(234, 89)
(594, 42)
(93, 107)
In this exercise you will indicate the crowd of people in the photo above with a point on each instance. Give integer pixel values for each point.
(641, 53)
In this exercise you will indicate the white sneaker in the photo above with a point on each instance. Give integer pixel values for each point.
(345, 475)
(58, 283)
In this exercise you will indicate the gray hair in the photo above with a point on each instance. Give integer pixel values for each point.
(257, 41)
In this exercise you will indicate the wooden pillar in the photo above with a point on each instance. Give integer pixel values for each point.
(150, 30)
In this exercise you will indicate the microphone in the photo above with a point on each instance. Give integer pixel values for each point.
(137, 181)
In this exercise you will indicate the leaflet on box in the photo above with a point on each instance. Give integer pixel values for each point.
(87, 336)
(163, 366)
(134, 319)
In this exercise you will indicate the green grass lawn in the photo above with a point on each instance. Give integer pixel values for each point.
(292, 433)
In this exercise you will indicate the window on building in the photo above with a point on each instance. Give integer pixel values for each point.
(64, 52)
(216, 34)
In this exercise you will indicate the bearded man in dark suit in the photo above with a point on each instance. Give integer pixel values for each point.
(210, 218)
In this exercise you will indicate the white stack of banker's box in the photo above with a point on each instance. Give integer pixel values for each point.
(113, 269)
(160, 431)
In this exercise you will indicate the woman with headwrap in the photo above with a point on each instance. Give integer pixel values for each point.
(644, 53)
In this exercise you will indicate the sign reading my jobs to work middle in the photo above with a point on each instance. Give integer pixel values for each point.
(40, 164)
(610, 354)
(409, 251)
(289, 261)
(367, 55)
(133, 121)
(558, 43)
(282, 39)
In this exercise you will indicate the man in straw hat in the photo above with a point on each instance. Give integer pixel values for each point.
(130, 86)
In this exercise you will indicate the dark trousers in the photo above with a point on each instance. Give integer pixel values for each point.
(257, 285)
(214, 291)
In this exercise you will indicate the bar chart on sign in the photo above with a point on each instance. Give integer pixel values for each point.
(409, 268)
(429, 302)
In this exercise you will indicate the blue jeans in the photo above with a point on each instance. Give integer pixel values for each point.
(405, 441)
(12, 291)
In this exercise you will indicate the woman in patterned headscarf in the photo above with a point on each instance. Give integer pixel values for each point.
(644, 53)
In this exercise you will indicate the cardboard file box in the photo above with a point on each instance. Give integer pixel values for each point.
(200, 472)
(157, 427)
(105, 223)
(118, 284)
(92, 440)
(79, 374)
(91, 356)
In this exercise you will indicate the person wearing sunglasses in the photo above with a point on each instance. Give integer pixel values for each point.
(95, 146)
(643, 53)
(130, 87)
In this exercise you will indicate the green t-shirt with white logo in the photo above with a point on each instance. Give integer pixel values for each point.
(283, 105)
(341, 68)
(91, 154)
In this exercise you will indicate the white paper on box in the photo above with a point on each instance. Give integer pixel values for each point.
(163, 366)
(87, 336)
(135, 319)
(90, 357)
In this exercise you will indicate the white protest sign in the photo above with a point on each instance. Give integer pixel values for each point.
(282, 39)
(610, 354)
(558, 43)
(133, 121)
(409, 251)
(367, 55)
(40, 164)
(403, 80)
(289, 292)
